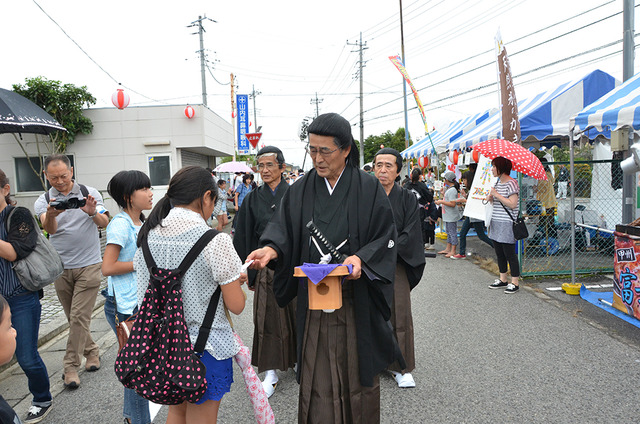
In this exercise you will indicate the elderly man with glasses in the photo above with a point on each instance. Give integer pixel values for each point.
(341, 353)
(274, 335)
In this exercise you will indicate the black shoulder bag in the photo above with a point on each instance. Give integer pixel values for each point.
(519, 227)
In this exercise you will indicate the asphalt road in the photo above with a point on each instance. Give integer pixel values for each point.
(482, 357)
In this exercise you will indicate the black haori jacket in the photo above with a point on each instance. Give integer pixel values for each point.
(406, 212)
(372, 235)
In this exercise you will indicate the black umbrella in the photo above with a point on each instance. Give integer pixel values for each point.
(20, 115)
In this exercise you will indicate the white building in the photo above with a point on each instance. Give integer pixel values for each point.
(157, 140)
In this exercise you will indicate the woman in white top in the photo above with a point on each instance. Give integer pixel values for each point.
(177, 221)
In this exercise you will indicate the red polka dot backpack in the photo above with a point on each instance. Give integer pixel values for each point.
(158, 361)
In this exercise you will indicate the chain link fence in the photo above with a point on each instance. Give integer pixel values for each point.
(546, 205)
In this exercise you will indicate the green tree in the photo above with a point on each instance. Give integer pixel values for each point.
(388, 139)
(62, 101)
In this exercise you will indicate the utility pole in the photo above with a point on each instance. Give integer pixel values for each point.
(233, 115)
(316, 101)
(198, 23)
(628, 181)
(253, 95)
(404, 83)
(361, 48)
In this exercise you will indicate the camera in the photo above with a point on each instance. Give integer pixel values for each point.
(71, 203)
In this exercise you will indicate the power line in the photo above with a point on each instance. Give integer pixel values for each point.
(466, 72)
(90, 58)
(426, 105)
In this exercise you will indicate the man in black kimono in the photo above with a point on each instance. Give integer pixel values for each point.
(274, 340)
(387, 165)
(341, 353)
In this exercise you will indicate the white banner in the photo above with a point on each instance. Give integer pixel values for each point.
(480, 189)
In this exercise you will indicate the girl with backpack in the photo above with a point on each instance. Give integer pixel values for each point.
(131, 190)
(175, 224)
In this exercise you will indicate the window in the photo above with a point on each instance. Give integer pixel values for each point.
(26, 179)
(159, 170)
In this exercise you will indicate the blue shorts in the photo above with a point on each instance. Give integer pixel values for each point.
(219, 377)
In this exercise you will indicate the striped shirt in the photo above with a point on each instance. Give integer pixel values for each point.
(501, 227)
(505, 189)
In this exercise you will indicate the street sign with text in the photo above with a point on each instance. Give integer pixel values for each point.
(253, 138)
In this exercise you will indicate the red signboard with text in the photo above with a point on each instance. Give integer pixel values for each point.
(253, 138)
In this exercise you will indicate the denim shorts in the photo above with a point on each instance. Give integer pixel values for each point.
(219, 377)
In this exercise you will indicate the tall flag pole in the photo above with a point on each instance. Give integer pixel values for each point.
(397, 61)
(508, 102)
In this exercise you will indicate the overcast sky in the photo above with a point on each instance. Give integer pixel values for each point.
(289, 50)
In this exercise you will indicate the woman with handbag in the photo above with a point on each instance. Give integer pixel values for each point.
(131, 190)
(18, 242)
(504, 199)
(177, 221)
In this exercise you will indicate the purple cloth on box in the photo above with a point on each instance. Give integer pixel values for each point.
(316, 272)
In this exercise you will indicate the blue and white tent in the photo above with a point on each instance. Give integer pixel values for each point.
(616, 109)
(546, 114)
(442, 138)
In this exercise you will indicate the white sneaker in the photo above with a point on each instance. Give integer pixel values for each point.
(270, 382)
(428, 246)
(405, 380)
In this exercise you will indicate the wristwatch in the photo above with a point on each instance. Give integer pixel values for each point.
(94, 214)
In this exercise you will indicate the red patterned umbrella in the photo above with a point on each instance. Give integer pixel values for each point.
(522, 159)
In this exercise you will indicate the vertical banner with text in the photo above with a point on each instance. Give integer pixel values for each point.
(508, 102)
(243, 123)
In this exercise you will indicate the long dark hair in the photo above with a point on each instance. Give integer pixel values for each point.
(3, 182)
(468, 176)
(122, 186)
(334, 125)
(415, 175)
(188, 184)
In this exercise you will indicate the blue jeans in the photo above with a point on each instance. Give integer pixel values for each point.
(25, 318)
(135, 408)
(479, 227)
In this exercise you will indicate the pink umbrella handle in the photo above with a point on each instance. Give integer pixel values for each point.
(261, 407)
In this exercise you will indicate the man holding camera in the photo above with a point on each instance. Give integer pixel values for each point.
(69, 212)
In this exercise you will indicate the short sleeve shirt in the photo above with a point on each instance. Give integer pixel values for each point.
(501, 227)
(76, 239)
(218, 264)
(122, 232)
(450, 213)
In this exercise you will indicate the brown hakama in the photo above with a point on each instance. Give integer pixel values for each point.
(274, 334)
(330, 389)
(402, 320)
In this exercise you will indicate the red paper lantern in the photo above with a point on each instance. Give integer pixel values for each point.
(189, 112)
(453, 156)
(476, 156)
(423, 162)
(120, 99)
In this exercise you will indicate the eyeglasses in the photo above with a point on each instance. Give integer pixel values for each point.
(324, 151)
(268, 165)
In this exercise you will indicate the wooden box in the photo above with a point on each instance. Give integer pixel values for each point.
(327, 294)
